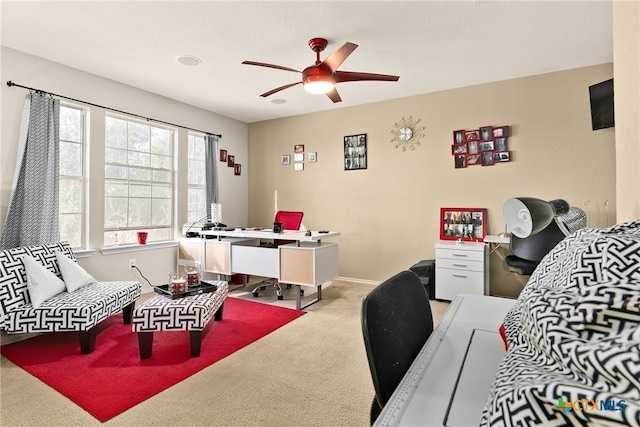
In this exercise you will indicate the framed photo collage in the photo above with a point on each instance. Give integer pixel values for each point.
(485, 146)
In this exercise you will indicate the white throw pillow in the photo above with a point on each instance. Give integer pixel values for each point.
(73, 275)
(42, 283)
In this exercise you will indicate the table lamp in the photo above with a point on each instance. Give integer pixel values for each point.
(527, 215)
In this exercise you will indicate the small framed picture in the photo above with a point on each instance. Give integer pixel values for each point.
(486, 133)
(466, 224)
(237, 169)
(459, 149)
(286, 159)
(501, 156)
(223, 155)
(487, 158)
(298, 157)
(231, 161)
(471, 135)
(501, 131)
(460, 161)
(501, 144)
(355, 152)
(472, 147)
(311, 157)
(473, 159)
(486, 145)
(298, 166)
(458, 136)
(298, 148)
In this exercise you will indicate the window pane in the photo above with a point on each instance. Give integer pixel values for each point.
(139, 159)
(115, 172)
(139, 190)
(70, 159)
(115, 133)
(71, 229)
(139, 212)
(115, 212)
(160, 162)
(161, 176)
(71, 124)
(138, 137)
(161, 209)
(115, 189)
(70, 196)
(139, 174)
(161, 191)
(161, 141)
(113, 155)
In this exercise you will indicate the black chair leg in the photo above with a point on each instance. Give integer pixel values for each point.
(375, 410)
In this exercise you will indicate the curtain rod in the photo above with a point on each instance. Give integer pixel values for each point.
(10, 84)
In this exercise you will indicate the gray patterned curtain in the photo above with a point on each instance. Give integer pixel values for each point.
(211, 143)
(33, 214)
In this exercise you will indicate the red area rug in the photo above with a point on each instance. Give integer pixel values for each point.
(96, 381)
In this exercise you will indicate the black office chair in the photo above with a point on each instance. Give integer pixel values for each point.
(396, 323)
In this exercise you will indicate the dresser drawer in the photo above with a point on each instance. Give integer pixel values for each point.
(460, 264)
(460, 254)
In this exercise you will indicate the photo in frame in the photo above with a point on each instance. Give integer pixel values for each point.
(312, 157)
(464, 224)
(231, 161)
(286, 159)
(237, 168)
(223, 155)
(298, 148)
(355, 152)
(298, 157)
(298, 166)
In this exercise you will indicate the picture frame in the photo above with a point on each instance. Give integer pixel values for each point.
(500, 144)
(486, 158)
(471, 135)
(458, 136)
(237, 169)
(285, 159)
(486, 146)
(472, 147)
(298, 157)
(501, 156)
(460, 161)
(231, 161)
(311, 157)
(500, 131)
(459, 149)
(223, 155)
(473, 159)
(298, 166)
(486, 133)
(355, 151)
(463, 224)
(298, 148)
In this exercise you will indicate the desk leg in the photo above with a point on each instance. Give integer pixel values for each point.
(299, 305)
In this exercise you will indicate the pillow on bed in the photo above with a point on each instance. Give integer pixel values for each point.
(73, 275)
(42, 283)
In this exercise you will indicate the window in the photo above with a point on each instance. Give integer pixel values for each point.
(196, 179)
(72, 175)
(138, 181)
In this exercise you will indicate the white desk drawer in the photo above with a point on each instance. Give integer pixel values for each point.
(460, 264)
(450, 283)
(461, 254)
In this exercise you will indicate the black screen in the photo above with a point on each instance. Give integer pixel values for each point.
(601, 97)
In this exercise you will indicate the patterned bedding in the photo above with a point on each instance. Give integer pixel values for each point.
(573, 337)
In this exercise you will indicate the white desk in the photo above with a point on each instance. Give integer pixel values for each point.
(448, 382)
(309, 261)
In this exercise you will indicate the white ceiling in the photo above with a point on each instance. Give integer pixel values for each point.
(431, 45)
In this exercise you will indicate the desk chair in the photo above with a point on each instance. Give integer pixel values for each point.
(396, 323)
(291, 220)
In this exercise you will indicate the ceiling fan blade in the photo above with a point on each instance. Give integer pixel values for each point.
(333, 95)
(350, 76)
(334, 60)
(277, 67)
(278, 89)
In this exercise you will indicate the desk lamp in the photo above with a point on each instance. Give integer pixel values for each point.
(526, 215)
(216, 215)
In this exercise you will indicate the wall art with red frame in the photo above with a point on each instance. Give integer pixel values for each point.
(485, 146)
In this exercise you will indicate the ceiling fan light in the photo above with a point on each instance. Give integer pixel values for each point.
(318, 84)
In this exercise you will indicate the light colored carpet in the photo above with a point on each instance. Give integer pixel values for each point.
(311, 372)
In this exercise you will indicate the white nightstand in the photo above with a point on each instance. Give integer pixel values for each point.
(461, 268)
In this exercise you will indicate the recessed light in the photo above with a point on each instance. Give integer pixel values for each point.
(278, 101)
(188, 60)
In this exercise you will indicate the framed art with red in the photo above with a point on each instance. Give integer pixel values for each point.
(464, 224)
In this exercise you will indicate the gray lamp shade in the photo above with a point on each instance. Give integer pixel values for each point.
(527, 215)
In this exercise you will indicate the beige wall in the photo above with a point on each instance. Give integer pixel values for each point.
(388, 214)
(35, 72)
(626, 72)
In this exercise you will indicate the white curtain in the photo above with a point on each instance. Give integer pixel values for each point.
(33, 214)
(211, 143)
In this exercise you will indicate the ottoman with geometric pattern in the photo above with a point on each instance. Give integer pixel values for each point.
(192, 314)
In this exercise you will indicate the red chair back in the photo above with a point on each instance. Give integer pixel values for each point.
(290, 220)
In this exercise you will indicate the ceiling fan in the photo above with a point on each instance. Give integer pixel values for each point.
(323, 75)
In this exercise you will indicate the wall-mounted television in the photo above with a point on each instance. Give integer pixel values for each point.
(601, 98)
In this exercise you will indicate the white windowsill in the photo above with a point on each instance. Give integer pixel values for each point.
(135, 248)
